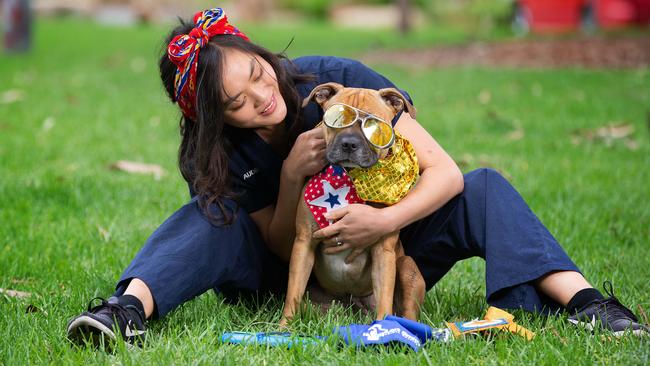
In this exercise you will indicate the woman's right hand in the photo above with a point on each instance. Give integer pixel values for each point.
(307, 156)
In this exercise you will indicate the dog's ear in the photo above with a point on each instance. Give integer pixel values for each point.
(322, 93)
(396, 100)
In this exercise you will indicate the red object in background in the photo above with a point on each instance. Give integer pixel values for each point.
(16, 16)
(614, 13)
(552, 16)
(642, 11)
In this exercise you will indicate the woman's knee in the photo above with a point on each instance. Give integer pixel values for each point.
(485, 175)
(480, 180)
(487, 188)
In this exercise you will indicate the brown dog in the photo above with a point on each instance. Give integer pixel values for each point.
(383, 270)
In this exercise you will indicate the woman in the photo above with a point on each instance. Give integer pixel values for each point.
(246, 149)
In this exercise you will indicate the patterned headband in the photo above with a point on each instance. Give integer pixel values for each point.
(184, 49)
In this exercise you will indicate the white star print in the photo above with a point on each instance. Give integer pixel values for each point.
(342, 192)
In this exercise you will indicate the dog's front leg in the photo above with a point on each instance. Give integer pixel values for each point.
(302, 262)
(383, 273)
(303, 255)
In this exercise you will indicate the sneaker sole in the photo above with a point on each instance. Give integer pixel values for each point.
(620, 333)
(86, 328)
(588, 326)
(635, 332)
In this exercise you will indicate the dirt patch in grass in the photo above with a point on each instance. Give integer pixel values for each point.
(593, 52)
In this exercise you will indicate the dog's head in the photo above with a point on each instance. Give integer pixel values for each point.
(348, 146)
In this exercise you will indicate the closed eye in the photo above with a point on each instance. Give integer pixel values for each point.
(258, 77)
(238, 106)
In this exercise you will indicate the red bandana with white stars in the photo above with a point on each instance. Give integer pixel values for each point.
(329, 190)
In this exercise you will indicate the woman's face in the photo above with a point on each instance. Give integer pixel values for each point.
(251, 94)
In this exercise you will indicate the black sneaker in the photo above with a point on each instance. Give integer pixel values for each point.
(609, 314)
(103, 324)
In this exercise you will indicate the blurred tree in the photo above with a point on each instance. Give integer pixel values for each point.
(314, 8)
(404, 19)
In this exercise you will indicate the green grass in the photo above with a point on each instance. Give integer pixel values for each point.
(69, 225)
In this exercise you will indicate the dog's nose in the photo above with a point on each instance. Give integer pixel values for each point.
(350, 143)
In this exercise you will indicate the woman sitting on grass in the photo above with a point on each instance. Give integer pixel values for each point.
(247, 147)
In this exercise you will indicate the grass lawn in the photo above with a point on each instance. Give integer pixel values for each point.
(90, 95)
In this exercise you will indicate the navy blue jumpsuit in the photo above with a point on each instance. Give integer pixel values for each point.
(188, 255)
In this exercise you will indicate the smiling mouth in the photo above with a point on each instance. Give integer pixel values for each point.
(269, 108)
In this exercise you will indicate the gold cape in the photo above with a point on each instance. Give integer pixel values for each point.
(391, 178)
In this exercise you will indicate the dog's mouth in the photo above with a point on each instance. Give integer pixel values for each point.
(351, 162)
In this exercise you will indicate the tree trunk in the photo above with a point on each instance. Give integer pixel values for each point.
(404, 20)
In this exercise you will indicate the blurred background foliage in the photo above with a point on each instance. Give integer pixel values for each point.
(465, 11)
(436, 8)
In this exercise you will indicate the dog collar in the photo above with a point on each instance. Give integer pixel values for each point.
(329, 190)
(391, 178)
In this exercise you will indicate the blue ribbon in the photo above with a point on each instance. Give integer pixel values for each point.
(392, 329)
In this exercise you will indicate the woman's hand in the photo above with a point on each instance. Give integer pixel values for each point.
(307, 156)
(358, 226)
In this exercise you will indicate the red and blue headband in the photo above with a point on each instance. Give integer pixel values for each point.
(184, 49)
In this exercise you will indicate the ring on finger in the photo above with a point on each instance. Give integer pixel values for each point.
(338, 241)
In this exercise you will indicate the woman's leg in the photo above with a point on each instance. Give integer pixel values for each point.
(141, 291)
(525, 266)
(189, 255)
(186, 256)
(489, 219)
(562, 286)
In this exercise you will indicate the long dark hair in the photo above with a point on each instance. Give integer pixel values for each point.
(203, 152)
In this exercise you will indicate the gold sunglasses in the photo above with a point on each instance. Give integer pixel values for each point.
(378, 132)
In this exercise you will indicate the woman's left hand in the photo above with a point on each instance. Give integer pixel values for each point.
(358, 226)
